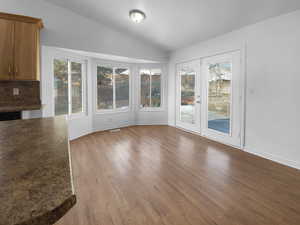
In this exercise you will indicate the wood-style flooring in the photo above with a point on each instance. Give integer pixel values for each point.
(161, 175)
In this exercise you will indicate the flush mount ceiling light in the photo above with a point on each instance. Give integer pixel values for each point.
(137, 16)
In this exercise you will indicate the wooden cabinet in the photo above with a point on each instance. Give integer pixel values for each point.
(6, 49)
(25, 51)
(19, 47)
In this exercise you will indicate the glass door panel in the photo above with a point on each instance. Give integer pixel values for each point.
(187, 106)
(219, 96)
(188, 96)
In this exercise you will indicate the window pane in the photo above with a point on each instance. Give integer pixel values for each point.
(156, 88)
(219, 96)
(76, 71)
(104, 87)
(122, 88)
(145, 88)
(61, 87)
(187, 107)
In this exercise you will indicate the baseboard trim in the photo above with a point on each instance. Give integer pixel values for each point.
(150, 124)
(111, 128)
(264, 155)
(275, 158)
(208, 138)
(114, 127)
(79, 136)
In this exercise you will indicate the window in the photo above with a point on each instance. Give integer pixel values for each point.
(68, 87)
(112, 88)
(219, 96)
(150, 88)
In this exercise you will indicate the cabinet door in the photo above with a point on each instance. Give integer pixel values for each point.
(6, 49)
(25, 51)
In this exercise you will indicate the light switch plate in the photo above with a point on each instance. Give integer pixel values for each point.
(16, 91)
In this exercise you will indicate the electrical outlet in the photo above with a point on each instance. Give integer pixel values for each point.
(16, 91)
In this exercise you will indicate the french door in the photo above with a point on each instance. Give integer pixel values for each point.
(188, 96)
(209, 97)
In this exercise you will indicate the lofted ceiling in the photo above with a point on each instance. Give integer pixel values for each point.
(173, 24)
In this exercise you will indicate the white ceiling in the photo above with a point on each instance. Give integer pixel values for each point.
(173, 24)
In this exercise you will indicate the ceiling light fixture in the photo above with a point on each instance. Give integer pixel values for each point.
(137, 16)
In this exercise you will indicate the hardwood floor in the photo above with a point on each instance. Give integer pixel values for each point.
(162, 175)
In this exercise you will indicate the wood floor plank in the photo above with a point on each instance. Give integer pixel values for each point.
(150, 175)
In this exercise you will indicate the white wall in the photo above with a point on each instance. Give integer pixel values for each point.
(94, 121)
(66, 29)
(273, 74)
(273, 79)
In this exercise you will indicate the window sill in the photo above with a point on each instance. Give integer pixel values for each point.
(152, 109)
(112, 111)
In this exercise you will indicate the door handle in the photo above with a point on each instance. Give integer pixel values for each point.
(198, 99)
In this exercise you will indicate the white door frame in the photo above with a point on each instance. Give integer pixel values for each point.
(234, 136)
(242, 49)
(196, 127)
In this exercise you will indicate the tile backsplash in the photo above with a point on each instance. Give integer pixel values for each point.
(19, 94)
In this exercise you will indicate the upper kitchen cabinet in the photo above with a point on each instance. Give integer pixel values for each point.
(6, 49)
(19, 47)
(26, 51)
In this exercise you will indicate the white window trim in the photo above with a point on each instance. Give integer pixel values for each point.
(62, 56)
(162, 88)
(113, 65)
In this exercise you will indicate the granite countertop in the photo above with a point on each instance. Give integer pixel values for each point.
(36, 185)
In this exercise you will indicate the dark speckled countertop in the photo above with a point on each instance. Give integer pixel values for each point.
(36, 185)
